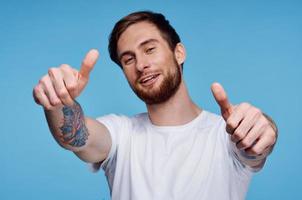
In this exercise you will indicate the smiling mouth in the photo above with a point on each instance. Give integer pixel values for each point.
(149, 80)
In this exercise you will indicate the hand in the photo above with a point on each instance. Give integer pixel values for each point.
(247, 125)
(63, 84)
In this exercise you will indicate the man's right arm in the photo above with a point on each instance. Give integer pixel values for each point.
(86, 137)
(56, 91)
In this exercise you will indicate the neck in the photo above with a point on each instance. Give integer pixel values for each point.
(178, 110)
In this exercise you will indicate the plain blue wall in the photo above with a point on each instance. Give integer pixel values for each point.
(253, 48)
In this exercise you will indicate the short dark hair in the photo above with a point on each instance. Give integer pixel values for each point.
(166, 30)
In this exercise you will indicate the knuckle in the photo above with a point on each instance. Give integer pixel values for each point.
(245, 105)
(274, 140)
(52, 70)
(47, 107)
(238, 134)
(65, 67)
(271, 138)
(43, 80)
(256, 151)
(231, 123)
(36, 95)
(69, 103)
(257, 111)
(265, 122)
(229, 130)
(55, 102)
(63, 94)
(246, 142)
(273, 134)
(37, 89)
(71, 87)
(268, 132)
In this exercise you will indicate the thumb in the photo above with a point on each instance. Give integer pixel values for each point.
(88, 63)
(222, 100)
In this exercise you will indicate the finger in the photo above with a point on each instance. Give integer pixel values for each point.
(260, 147)
(59, 86)
(36, 91)
(222, 100)
(250, 117)
(41, 98)
(49, 91)
(70, 80)
(88, 63)
(235, 118)
(252, 136)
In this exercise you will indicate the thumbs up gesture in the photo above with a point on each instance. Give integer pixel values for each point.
(250, 129)
(63, 84)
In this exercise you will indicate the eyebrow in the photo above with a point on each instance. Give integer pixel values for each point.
(140, 45)
(147, 41)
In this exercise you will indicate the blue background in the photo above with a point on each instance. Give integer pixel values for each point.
(253, 48)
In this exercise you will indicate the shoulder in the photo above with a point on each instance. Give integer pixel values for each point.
(212, 119)
(139, 118)
(113, 118)
(121, 119)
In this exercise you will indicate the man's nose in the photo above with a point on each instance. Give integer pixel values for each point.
(142, 63)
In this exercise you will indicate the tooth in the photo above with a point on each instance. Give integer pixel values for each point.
(148, 78)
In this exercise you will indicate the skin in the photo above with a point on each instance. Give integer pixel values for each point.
(56, 93)
(250, 129)
(143, 51)
(179, 109)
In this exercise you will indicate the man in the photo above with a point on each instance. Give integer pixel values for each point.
(174, 151)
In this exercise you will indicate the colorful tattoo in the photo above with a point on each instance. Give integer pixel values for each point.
(74, 130)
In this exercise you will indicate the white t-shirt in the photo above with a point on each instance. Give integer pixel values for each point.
(192, 161)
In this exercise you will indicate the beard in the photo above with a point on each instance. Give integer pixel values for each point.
(165, 90)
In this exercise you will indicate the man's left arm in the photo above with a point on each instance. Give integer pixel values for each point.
(253, 133)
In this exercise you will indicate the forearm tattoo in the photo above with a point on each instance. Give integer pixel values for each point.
(74, 130)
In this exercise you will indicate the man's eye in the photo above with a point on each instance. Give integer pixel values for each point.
(128, 61)
(150, 50)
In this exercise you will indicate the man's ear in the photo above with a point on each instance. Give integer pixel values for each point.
(180, 53)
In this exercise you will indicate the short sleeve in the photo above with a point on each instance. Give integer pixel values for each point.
(117, 126)
(238, 155)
